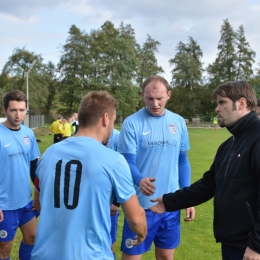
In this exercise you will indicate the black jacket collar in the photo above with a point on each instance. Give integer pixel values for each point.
(242, 124)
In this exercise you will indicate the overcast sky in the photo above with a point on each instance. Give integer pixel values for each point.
(42, 25)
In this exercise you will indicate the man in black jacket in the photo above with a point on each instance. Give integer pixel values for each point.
(233, 179)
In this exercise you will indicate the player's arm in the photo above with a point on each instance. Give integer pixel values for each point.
(113, 210)
(51, 128)
(114, 207)
(136, 218)
(33, 166)
(131, 160)
(184, 170)
(184, 180)
(145, 184)
(36, 201)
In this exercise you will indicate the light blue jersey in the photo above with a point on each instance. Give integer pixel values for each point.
(157, 142)
(113, 140)
(78, 180)
(17, 149)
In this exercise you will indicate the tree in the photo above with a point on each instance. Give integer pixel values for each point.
(148, 64)
(245, 56)
(121, 64)
(14, 77)
(192, 103)
(104, 59)
(255, 81)
(50, 80)
(17, 66)
(74, 68)
(224, 67)
(187, 71)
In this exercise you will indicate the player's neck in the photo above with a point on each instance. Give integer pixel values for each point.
(11, 126)
(90, 132)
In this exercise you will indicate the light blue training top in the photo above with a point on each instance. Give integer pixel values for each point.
(113, 140)
(78, 180)
(157, 142)
(17, 150)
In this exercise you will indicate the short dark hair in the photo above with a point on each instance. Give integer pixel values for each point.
(15, 95)
(94, 105)
(235, 90)
(156, 78)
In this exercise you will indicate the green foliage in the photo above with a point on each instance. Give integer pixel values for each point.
(110, 58)
(104, 59)
(223, 68)
(41, 82)
(192, 102)
(245, 56)
(187, 71)
(255, 84)
(147, 61)
(235, 57)
(189, 97)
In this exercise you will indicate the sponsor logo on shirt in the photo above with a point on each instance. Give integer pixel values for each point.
(158, 143)
(16, 154)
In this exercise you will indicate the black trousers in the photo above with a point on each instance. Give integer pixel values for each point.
(232, 252)
(57, 138)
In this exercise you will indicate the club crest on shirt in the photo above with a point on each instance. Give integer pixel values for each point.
(172, 129)
(26, 140)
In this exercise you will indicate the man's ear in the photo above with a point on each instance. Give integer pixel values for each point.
(169, 94)
(4, 110)
(242, 103)
(105, 119)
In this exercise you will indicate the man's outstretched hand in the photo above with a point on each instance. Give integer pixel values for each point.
(159, 207)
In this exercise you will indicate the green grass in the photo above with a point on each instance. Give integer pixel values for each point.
(197, 240)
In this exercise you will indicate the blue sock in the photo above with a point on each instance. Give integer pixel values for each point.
(25, 251)
(8, 258)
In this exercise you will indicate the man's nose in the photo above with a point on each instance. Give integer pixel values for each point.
(155, 103)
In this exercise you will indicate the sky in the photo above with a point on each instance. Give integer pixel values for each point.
(42, 26)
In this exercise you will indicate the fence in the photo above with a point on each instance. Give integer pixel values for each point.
(36, 121)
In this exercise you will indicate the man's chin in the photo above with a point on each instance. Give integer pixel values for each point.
(155, 113)
(221, 125)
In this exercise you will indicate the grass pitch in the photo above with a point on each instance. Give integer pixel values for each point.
(197, 241)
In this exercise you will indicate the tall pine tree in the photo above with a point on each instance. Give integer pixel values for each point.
(223, 68)
(148, 64)
(187, 71)
(245, 56)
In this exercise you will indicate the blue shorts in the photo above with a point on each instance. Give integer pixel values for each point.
(162, 229)
(14, 219)
(113, 231)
